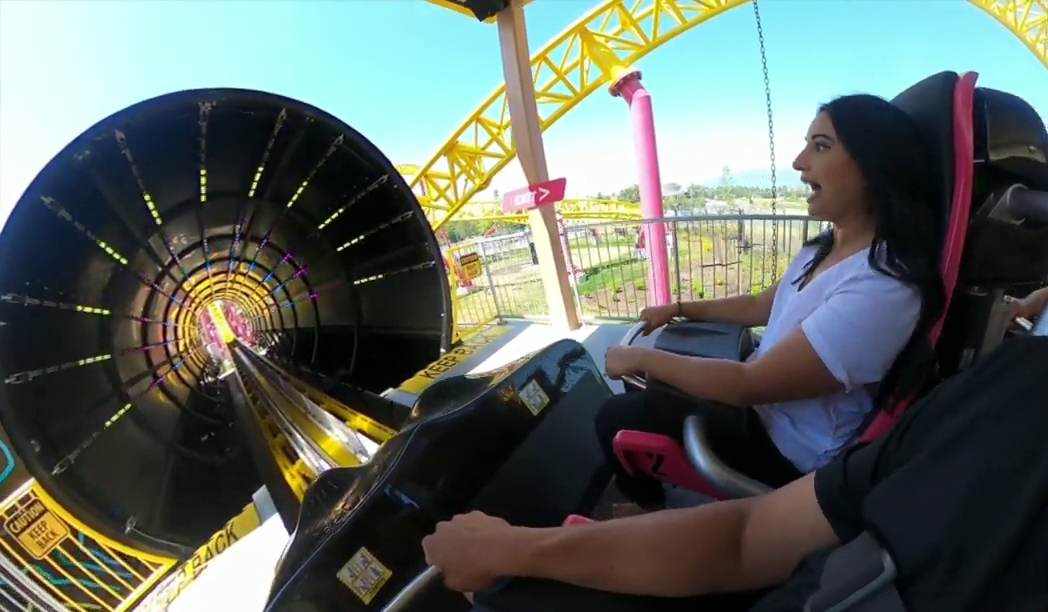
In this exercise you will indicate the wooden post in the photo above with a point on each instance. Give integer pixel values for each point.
(527, 135)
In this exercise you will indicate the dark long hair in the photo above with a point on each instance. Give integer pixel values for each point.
(909, 214)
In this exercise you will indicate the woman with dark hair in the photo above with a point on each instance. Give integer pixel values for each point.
(849, 320)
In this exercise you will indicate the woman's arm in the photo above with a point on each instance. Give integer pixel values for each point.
(791, 370)
(747, 310)
(850, 340)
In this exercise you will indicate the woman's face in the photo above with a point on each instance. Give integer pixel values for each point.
(837, 184)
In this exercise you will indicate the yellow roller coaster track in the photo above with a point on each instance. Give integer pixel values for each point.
(588, 209)
(565, 75)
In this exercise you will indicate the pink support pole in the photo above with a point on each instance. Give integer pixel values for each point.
(643, 121)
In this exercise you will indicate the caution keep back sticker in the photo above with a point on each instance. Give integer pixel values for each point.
(37, 529)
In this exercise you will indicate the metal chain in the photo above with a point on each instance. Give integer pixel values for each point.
(771, 144)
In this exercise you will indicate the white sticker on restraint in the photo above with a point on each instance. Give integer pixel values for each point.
(534, 397)
(364, 574)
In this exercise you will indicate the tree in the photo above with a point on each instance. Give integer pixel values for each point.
(629, 194)
(726, 191)
(725, 178)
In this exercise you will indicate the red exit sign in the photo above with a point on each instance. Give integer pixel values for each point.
(534, 196)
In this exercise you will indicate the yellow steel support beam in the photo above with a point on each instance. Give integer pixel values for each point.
(522, 218)
(575, 208)
(1026, 19)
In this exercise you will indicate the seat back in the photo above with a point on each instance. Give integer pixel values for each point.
(942, 107)
(987, 144)
(1006, 251)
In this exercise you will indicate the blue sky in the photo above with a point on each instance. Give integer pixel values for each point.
(406, 73)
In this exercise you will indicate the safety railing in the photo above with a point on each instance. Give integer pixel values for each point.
(710, 256)
(474, 300)
(61, 561)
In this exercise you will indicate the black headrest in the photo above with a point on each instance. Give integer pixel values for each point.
(1011, 137)
(930, 104)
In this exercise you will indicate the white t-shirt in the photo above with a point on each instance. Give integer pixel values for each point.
(858, 320)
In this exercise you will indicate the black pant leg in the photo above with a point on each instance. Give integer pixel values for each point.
(528, 595)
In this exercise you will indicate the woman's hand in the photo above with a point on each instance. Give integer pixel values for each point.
(657, 316)
(620, 361)
(468, 550)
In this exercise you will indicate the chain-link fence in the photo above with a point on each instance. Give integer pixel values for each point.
(709, 256)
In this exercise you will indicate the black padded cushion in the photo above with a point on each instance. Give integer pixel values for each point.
(1011, 137)
(703, 339)
(930, 104)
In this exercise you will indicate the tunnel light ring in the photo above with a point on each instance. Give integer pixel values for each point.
(260, 243)
(199, 287)
(402, 217)
(247, 301)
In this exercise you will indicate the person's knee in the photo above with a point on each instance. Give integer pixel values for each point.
(615, 414)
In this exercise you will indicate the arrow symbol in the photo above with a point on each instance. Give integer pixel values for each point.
(542, 194)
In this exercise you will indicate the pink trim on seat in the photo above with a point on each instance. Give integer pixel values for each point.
(956, 232)
(659, 457)
(576, 519)
(963, 178)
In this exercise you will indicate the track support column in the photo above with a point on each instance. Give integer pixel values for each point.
(625, 83)
(527, 135)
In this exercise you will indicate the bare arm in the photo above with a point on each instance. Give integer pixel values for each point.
(747, 310)
(1032, 305)
(724, 546)
(851, 339)
(791, 370)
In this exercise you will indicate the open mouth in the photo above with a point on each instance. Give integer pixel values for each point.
(814, 189)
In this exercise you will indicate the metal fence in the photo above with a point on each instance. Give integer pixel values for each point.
(51, 561)
(710, 256)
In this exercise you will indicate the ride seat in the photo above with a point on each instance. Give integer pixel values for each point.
(983, 141)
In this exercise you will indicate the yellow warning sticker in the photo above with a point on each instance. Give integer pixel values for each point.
(364, 575)
(534, 397)
(37, 529)
(452, 359)
(471, 266)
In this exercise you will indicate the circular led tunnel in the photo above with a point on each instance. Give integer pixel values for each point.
(271, 211)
